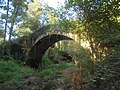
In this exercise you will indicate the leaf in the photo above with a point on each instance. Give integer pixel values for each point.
(3, 16)
(5, 8)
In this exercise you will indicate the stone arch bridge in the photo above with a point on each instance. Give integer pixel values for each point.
(42, 39)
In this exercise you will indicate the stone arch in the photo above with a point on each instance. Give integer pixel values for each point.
(39, 48)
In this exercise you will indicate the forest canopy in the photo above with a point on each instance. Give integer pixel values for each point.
(94, 24)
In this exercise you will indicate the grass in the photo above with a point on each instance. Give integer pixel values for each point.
(51, 70)
(11, 74)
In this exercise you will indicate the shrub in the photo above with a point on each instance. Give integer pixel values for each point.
(11, 74)
(107, 76)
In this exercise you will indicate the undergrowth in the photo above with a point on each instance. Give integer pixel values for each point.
(52, 69)
(106, 75)
(11, 74)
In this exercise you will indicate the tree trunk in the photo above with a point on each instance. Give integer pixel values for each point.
(16, 8)
(5, 29)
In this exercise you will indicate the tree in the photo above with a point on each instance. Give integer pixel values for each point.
(99, 22)
(6, 22)
(31, 19)
(1, 34)
(19, 8)
(14, 11)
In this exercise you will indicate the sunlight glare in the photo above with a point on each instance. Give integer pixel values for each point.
(54, 3)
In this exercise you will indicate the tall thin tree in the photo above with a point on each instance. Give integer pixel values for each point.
(6, 22)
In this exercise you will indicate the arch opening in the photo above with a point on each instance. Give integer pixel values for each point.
(38, 50)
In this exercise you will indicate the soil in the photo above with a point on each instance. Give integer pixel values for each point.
(35, 82)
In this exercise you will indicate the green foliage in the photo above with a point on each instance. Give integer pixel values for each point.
(52, 18)
(30, 21)
(107, 74)
(53, 55)
(47, 86)
(99, 23)
(95, 21)
(46, 61)
(76, 52)
(22, 31)
(11, 74)
(51, 70)
(79, 54)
